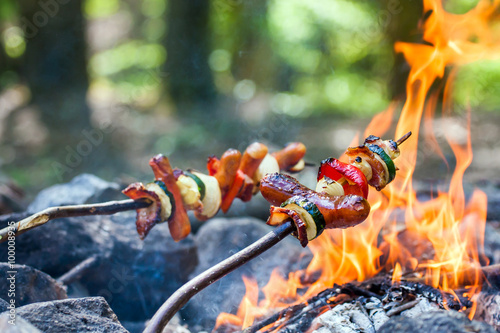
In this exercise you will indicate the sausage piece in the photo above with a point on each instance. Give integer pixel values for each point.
(253, 156)
(290, 155)
(338, 211)
(225, 170)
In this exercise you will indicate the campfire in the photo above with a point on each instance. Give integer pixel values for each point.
(410, 256)
(437, 242)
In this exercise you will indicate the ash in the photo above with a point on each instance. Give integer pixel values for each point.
(378, 306)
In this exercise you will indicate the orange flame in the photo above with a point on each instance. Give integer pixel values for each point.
(441, 238)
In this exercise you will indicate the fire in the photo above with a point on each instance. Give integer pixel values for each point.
(440, 239)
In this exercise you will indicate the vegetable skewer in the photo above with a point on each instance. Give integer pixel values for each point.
(234, 175)
(333, 212)
(154, 203)
(300, 210)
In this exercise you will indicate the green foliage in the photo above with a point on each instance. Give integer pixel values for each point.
(100, 8)
(460, 6)
(478, 85)
(153, 8)
(125, 56)
(8, 10)
(335, 49)
(14, 42)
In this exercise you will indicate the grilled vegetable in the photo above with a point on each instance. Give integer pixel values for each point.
(391, 169)
(190, 192)
(268, 165)
(199, 183)
(178, 224)
(329, 186)
(160, 210)
(338, 211)
(310, 214)
(336, 170)
(379, 169)
(211, 200)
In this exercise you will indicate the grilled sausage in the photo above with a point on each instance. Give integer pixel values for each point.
(290, 155)
(338, 211)
(225, 170)
(253, 156)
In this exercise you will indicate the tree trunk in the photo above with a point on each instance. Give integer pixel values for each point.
(55, 66)
(190, 80)
(403, 26)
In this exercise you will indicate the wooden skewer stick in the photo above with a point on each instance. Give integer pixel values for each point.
(191, 288)
(403, 138)
(40, 218)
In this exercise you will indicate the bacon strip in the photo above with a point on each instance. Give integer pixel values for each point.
(147, 217)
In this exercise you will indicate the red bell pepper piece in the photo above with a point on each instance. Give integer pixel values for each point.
(213, 165)
(335, 170)
(235, 188)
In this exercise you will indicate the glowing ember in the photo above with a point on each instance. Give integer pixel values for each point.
(442, 237)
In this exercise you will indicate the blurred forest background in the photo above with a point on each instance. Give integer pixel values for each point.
(101, 85)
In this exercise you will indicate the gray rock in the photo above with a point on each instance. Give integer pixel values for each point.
(134, 276)
(31, 285)
(492, 243)
(58, 245)
(82, 189)
(488, 308)
(221, 238)
(435, 322)
(138, 276)
(20, 326)
(91, 314)
(4, 306)
(492, 189)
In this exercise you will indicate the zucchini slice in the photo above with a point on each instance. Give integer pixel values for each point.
(212, 196)
(309, 213)
(189, 191)
(166, 198)
(199, 182)
(387, 160)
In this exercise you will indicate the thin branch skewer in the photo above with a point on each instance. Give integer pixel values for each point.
(200, 282)
(403, 138)
(76, 272)
(40, 218)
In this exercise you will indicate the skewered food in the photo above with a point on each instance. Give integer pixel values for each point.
(310, 211)
(378, 154)
(160, 209)
(232, 176)
(339, 200)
